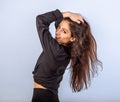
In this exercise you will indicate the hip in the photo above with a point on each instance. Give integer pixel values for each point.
(44, 95)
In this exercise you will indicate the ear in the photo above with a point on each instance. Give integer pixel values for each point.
(72, 39)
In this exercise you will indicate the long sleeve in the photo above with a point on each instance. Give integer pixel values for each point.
(43, 22)
(54, 59)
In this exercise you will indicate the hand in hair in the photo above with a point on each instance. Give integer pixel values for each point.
(76, 17)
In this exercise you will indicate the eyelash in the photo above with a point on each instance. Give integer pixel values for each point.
(62, 29)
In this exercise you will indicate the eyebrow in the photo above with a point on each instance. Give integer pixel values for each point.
(64, 28)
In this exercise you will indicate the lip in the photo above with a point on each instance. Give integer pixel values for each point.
(57, 37)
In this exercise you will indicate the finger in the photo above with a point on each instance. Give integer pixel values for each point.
(78, 21)
(81, 19)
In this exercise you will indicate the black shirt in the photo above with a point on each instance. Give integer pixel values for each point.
(54, 59)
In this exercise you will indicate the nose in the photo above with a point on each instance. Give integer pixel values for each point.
(58, 31)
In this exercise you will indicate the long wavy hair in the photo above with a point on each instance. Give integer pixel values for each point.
(83, 52)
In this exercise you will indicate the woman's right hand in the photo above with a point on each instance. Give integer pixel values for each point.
(76, 17)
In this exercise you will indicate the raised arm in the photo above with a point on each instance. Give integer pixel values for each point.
(42, 22)
(73, 16)
(45, 19)
(76, 17)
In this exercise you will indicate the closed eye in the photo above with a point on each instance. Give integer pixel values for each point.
(64, 31)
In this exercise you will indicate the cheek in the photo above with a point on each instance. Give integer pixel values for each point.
(65, 39)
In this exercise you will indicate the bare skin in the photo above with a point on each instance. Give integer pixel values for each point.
(36, 85)
(63, 33)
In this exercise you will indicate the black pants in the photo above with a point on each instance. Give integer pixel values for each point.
(44, 95)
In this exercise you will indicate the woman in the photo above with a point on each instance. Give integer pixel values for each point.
(73, 43)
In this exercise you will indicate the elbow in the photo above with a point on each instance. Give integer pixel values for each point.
(37, 18)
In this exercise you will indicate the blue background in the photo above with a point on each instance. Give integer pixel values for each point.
(20, 48)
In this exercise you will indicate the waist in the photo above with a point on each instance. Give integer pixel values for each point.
(36, 85)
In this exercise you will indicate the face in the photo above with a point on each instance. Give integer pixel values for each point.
(63, 33)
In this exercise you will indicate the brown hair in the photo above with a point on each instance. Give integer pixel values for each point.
(83, 52)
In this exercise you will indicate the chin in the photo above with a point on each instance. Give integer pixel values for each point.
(59, 43)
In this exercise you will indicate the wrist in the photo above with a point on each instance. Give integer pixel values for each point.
(66, 14)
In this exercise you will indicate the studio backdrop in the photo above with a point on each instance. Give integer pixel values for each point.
(20, 48)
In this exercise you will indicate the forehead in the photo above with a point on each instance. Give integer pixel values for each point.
(64, 24)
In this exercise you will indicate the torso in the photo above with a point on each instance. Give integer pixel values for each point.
(36, 85)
